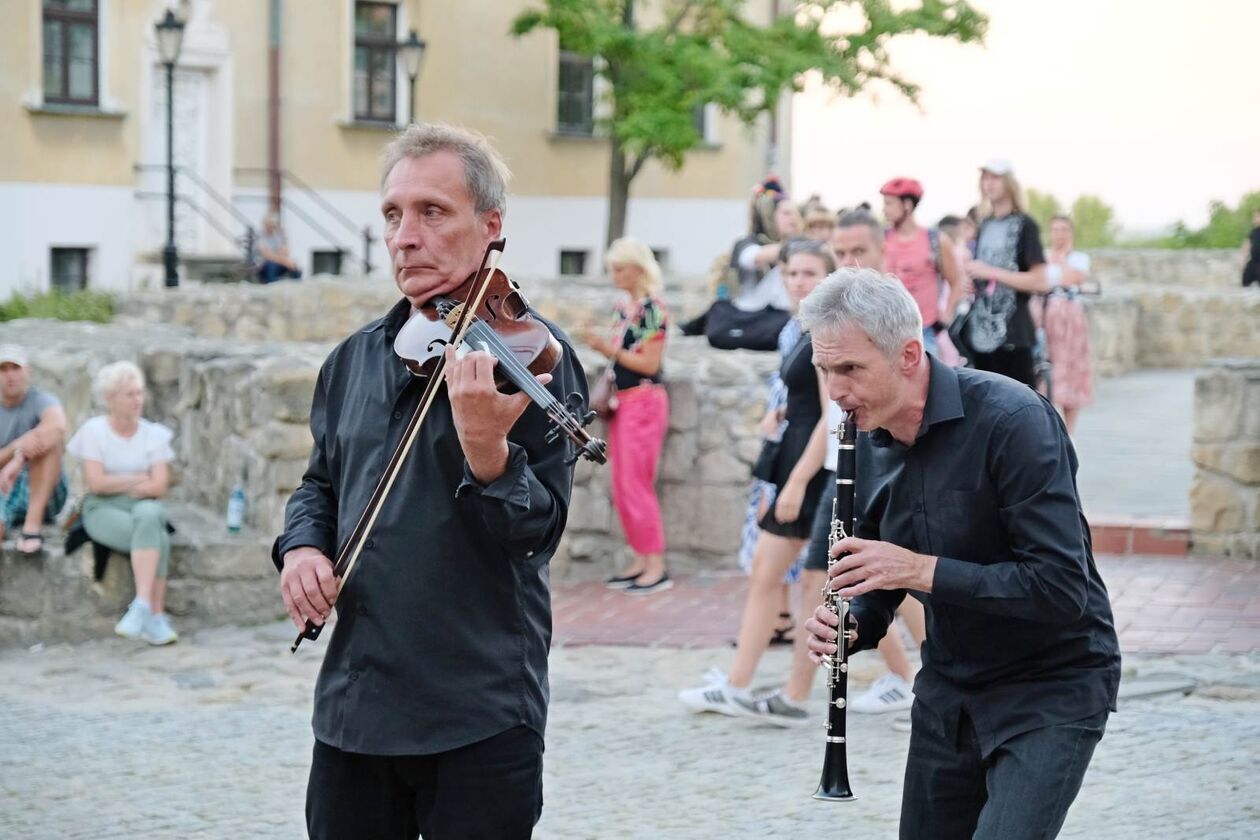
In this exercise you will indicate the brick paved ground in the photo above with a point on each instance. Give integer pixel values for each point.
(1162, 604)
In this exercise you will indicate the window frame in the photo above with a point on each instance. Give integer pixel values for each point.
(76, 250)
(66, 18)
(373, 44)
(582, 255)
(563, 97)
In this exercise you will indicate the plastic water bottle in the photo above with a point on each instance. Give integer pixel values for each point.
(236, 509)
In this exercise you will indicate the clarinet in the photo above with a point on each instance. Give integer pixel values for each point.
(834, 786)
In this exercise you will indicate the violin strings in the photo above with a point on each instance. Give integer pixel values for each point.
(523, 378)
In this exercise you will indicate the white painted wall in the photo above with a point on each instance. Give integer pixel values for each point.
(693, 231)
(37, 217)
(112, 222)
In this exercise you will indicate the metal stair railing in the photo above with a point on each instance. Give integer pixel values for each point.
(324, 204)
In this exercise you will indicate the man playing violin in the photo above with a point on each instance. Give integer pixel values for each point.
(432, 698)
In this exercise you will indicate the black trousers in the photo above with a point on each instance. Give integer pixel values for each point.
(1021, 791)
(491, 790)
(1017, 363)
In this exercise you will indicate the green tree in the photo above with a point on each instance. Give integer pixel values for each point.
(1043, 206)
(696, 52)
(1227, 227)
(1094, 221)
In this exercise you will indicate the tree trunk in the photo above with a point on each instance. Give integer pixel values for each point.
(618, 192)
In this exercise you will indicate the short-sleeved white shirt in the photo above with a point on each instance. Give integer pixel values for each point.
(97, 441)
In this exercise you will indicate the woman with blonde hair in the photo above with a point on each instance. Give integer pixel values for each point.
(126, 465)
(1009, 267)
(635, 348)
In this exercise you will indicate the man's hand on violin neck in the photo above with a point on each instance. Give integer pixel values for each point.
(308, 585)
(483, 416)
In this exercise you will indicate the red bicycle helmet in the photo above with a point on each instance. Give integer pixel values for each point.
(903, 188)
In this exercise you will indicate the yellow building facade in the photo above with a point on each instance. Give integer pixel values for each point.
(83, 90)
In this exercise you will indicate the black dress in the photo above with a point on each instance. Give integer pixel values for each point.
(802, 412)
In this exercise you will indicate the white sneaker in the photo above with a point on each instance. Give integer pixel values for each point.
(132, 622)
(889, 693)
(776, 709)
(714, 696)
(158, 630)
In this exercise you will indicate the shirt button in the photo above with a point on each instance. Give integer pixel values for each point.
(397, 415)
(362, 610)
(354, 675)
(370, 544)
(918, 508)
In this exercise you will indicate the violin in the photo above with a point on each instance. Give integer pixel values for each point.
(487, 312)
(503, 325)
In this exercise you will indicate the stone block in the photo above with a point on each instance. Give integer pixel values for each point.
(1216, 504)
(282, 440)
(227, 601)
(23, 585)
(723, 466)
(589, 510)
(1218, 402)
(678, 457)
(704, 518)
(684, 409)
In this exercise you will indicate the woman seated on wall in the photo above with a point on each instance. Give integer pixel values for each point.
(126, 466)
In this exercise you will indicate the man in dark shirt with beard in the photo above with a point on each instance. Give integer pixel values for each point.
(966, 500)
(433, 692)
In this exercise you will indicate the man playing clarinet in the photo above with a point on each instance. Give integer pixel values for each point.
(966, 500)
(432, 699)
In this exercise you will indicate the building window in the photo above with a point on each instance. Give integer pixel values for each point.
(699, 119)
(661, 255)
(576, 95)
(572, 263)
(69, 269)
(326, 262)
(375, 61)
(71, 47)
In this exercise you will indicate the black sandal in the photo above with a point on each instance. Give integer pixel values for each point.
(784, 635)
(23, 536)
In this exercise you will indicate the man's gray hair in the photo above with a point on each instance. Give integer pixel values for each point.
(485, 173)
(878, 304)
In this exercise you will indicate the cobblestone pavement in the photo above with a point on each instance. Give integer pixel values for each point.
(210, 738)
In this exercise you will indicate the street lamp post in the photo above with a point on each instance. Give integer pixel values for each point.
(410, 52)
(170, 36)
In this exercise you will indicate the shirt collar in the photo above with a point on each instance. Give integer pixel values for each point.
(393, 320)
(944, 401)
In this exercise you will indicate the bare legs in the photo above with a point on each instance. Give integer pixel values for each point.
(801, 678)
(42, 475)
(771, 559)
(1069, 418)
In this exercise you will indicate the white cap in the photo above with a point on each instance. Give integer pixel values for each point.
(997, 166)
(11, 354)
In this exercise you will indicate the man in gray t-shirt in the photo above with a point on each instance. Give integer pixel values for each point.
(32, 438)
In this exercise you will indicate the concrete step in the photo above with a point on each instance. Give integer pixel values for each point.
(216, 578)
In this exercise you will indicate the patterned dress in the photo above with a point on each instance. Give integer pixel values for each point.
(1067, 339)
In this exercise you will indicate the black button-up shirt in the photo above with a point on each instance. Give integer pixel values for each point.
(1019, 627)
(444, 624)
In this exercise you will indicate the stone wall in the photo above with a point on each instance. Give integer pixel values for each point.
(330, 308)
(1133, 328)
(1216, 268)
(1225, 495)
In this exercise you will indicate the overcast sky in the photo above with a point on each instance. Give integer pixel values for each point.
(1154, 105)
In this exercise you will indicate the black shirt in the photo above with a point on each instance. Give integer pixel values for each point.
(445, 622)
(642, 322)
(1019, 627)
(1014, 243)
